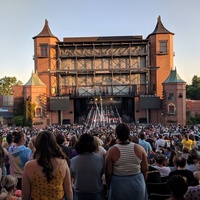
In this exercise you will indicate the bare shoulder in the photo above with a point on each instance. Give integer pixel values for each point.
(30, 168)
(138, 147)
(60, 163)
(139, 151)
(113, 154)
(62, 166)
(112, 150)
(5, 151)
(31, 163)
(63, 162)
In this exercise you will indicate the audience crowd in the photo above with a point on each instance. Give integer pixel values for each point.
(114, 162)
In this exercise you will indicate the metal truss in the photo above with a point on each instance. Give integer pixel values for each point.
(102, 69)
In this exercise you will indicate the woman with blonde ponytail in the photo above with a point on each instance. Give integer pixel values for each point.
(9, 184)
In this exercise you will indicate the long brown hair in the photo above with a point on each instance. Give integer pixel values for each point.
(46, 149)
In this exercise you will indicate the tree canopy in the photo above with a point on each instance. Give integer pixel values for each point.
(7, 83)
(193, 90)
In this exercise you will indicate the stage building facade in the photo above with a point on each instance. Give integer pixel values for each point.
(105, 80)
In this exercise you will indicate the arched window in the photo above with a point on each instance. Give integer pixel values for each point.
(38, 112)
(171, 108)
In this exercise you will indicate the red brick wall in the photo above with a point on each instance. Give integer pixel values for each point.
(164, 62)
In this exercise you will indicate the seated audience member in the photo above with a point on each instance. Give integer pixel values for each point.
(186, 174)
(171, 160)
(9, 184)
(195, 151)
(177, 186)
(193, 192)
(160, 164)
(173, 168)
(191, 163)
(186, 152)
(153, 175)
(197, 173)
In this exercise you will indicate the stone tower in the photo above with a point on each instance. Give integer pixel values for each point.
(35, 95)
(174, 99)
(45, 58)
(161, 56)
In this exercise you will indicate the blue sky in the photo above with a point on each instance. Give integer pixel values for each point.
(20, 20)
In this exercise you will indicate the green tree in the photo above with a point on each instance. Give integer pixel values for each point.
(7, 83)
(29, 112)
(19, 120)
(193, 90)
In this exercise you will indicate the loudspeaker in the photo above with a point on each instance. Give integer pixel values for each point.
(130, 107)
(77, 106)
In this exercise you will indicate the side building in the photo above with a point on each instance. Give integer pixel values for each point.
(104, 80)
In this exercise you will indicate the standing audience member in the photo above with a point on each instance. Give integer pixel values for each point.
(187, 142)
(160, 143)
(87, 169)
(72, 144)
(194, 142)
(60, 139)
(134, 139)
(113, 142)
(19, 154)
(151, 141)
(9, 142)
(31, 145)
(47, 176)
(107, 141)
(144, 144)
(3, 159)
(126, 168)
(99, 149)
(9, 184)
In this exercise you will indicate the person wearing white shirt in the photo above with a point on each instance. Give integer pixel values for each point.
(160, 143)
(160, 165)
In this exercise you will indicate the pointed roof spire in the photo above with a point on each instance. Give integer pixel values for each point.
(46, 32)
(34, 80)
(174, 77)
(160, 29)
